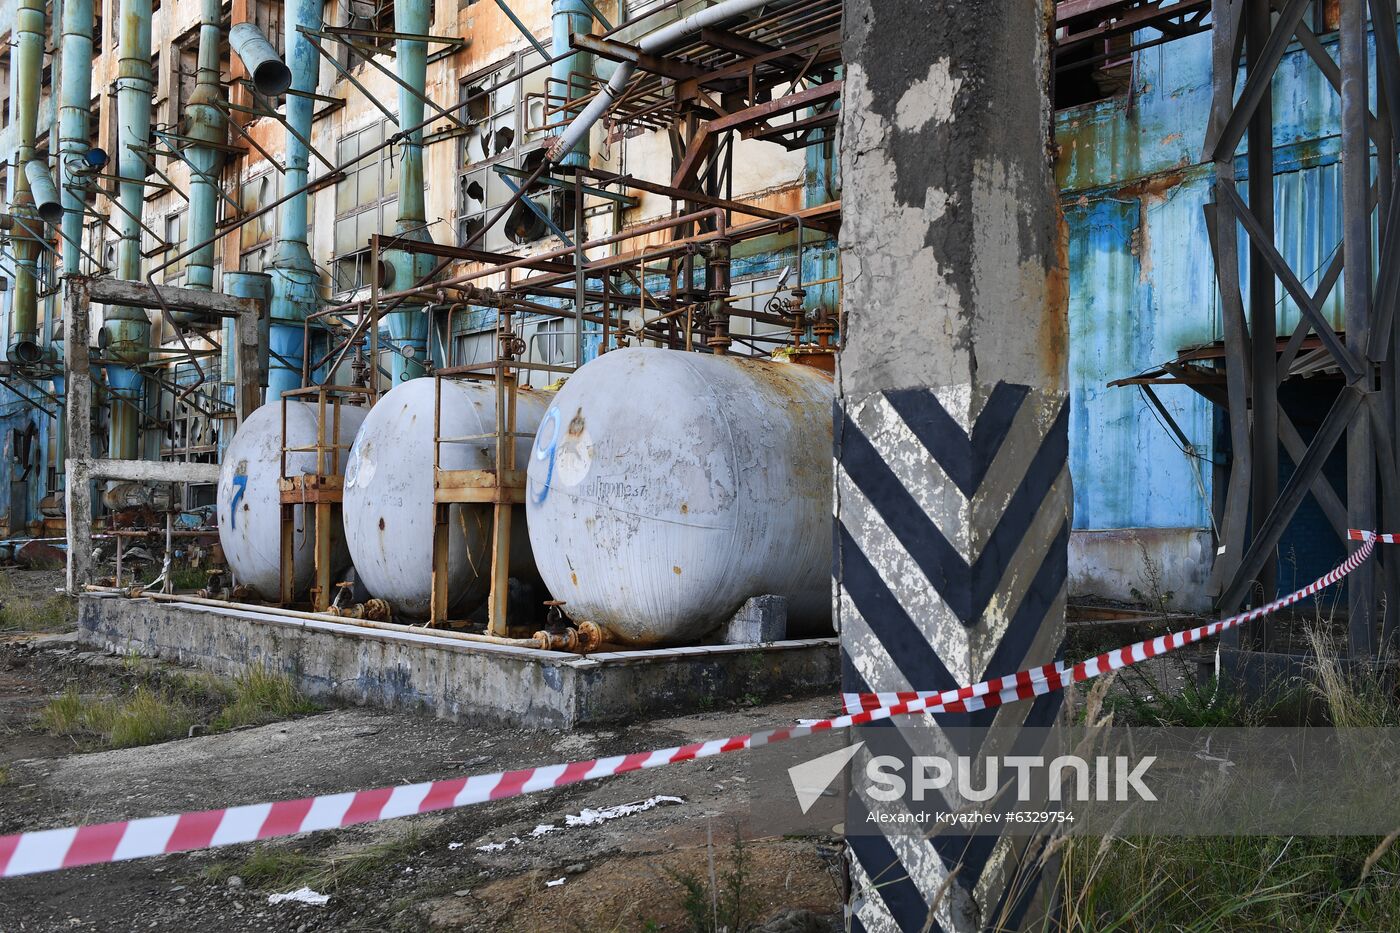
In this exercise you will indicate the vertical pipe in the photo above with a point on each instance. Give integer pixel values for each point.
(1356, 295)
(294, 280)
(205, 121)
(74, 126)
(408, 326)
(1263, 324)
(29, 65)
(571, 16)
(129, 329)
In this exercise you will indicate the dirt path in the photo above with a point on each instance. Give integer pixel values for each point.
(481, 868)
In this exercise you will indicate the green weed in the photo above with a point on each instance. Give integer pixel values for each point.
(259, 695)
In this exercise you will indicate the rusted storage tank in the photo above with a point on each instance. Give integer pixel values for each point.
(665, 488)
(388, 504)
(249, 501)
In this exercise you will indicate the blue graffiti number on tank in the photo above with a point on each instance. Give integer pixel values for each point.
(240, 486)
(545, 448)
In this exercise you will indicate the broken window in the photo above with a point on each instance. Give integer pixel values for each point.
(369, 25)
(184, 72)
(505, 108)
(267, 16)
(4, 80)
(254, 194)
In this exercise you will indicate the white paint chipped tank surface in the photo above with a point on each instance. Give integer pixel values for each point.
(388, 504)
(248, 501)
(665, 488)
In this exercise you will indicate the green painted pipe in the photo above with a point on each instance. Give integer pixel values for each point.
(29, 62)
(408, 326)
(204, 121)
(74, 122)
(128, 330)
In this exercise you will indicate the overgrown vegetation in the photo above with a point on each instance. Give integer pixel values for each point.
(720, 904)
(158, 713)
(281, 868)
(33, 613)
(1214, 883)
(145, 717)
(185, 578)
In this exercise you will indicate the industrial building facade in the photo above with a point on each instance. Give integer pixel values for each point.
(1129, 164)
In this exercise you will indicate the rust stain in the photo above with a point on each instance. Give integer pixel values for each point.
(676, 571)
(574, 578)
(1055, 326)
(685, 508)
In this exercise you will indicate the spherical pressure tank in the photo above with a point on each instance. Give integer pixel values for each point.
(389, 512)
(665, 488)
(249, 498)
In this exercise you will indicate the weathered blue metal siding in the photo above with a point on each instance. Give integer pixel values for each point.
(1142, 283)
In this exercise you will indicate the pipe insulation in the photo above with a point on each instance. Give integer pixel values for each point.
(294, 279)
(653, 43)
(29, 65)
(129, 329)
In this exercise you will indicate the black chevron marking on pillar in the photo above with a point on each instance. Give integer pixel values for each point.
(1049, 580)
(1009, 916)
(964, 458)
(888, 875)
(965, 588)
(901, 639)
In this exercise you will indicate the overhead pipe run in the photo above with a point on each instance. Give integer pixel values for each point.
(128, 330)
(271, 76)
(408, 326)
(653, 43)
(29, 60)
(294, 278)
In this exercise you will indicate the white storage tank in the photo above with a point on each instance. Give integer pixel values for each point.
(665, 488)
(249, 500)
(389, 512)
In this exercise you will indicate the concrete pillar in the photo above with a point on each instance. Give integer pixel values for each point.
(953, 495)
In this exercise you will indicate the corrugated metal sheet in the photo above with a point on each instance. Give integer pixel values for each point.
(1142, 284)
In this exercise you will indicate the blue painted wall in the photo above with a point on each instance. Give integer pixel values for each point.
(1142, 285)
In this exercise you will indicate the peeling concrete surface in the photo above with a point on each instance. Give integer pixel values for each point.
(455, 679)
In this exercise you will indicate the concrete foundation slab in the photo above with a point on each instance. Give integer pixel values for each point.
(453, 678)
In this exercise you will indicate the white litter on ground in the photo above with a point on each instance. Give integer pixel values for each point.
(555, 883)
(498, 846)
(300, 896)
(591, 817)
(455, 845)
(588, 816)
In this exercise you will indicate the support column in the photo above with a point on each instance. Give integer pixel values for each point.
(77, 491)
(1356, 301)
(952, 489)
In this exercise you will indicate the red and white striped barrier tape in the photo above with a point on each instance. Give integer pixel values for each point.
(70, 847)
(1024, 684)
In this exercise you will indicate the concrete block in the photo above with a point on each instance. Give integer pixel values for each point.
(760, 620)
(457, 679)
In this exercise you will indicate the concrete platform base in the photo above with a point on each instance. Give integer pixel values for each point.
(452, 678)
